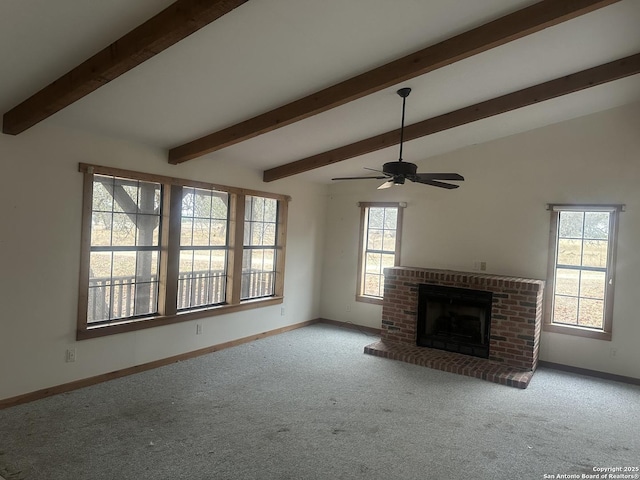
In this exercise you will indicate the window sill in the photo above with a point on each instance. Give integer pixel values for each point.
(365, 299)
(150, 322)
(576, 331)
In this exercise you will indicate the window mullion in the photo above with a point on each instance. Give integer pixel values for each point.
(170, 251)
(281, 235)
(236, 244)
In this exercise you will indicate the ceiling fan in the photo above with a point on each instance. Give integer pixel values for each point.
(395, 173)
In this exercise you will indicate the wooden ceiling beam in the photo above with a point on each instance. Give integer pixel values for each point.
(538, 93)
(168, 27)
(498, 32)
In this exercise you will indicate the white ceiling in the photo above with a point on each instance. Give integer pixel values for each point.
(267, 53)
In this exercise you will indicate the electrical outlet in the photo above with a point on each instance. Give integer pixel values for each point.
(479, 266)
(198, 328)
(348, 308)
(282, 311)
(71, 355)
(613, 352)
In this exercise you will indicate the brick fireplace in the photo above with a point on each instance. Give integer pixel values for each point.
(516, 321)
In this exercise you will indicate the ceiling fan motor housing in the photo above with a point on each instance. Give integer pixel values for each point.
(400, 168)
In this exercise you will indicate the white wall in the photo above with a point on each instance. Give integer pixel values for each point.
(40, 201)
(498, 215)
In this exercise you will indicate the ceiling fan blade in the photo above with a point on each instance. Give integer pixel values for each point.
(358, 178)
(387, 184)
(435, 183)
(440, 176)
(379, 171)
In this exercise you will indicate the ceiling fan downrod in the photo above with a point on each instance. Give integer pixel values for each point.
(404, 93)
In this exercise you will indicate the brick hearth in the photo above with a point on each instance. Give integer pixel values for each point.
(516, 320)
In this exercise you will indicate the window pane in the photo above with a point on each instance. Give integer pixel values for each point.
(595, 253)
(270, 210)
(373, 263)
(258, 273)
(188, 200)
(270, 234)
(124, 265)
(218, 233)
(122, 297)
(147, 266)
(257, 233)
(186, 232)
(372, 285)
(124, 229)
(100, 268)
(101, 228)
(186, 261)
(202, 204)
(374, 240)
(565, 310)
(569, 252)
(148, 198)
(201, 227)
(219, 206)
(205, 282)
(148, 230)
(596, 225)
(102, 199)
(591, 313)
(388, 261)
(125, 195)
(376, 217)
(99, 302)
(567, 281)
(593, 284)
(257, 208)
(389, 240)
(269, 260)
(218, 262)
(390, 218)
(571, 224)
(145, 299)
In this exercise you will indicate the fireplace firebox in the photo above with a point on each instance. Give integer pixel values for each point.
(454, 319)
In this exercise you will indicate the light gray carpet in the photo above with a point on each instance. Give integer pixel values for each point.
(309, 404)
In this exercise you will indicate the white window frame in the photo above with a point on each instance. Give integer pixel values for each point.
(549, 325)
(363, 250)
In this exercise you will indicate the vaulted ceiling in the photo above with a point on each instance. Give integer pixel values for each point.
(285, 86)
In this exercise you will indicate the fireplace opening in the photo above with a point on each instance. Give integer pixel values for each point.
(454, 319)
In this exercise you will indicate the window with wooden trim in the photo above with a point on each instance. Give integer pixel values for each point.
(159, 250)
(380, 233)
(204, 245)
(580, 283)
(260, 247)
(124, 250)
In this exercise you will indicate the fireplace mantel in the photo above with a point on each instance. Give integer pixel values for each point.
(516, 321)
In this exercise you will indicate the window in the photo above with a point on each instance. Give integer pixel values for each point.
(260, 248)
(204, 245)
(579, 299)
(125, 249)
(380, 232)
(158, 250)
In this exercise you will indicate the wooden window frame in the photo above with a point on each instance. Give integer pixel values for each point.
(249, 247)
(364, 207)
(607, 328)
(170, 253)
